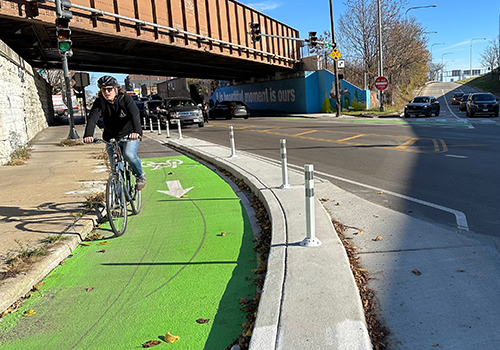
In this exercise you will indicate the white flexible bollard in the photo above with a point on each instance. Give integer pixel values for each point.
(310, 240)
(179, 128)
(168, 128)
(150, 125)
(159, 126)
(231, 140)
(144, 122)
(284, 165)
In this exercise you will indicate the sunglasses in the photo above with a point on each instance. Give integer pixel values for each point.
(107, 89)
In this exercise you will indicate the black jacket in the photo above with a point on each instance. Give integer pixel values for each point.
(120, 118)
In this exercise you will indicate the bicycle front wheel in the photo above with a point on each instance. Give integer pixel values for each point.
(116, 205)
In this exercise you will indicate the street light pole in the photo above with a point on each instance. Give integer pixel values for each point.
(442, 69)
(417, 7)
(380, 60)
(471, 53)
(432, 59)
(334, 44)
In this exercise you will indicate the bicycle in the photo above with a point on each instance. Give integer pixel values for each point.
(120, 190)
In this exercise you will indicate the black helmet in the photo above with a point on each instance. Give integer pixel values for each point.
(107, 80)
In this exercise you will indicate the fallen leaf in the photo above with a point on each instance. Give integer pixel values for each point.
(378, 238)
(363, 270)
(324, 199)
(185, 196)
(169, 338)
(223, 234)
(90, 289)
(103, 243)
(29, 312)
(170, 173)
(151, 343)
(337, 204)
(2, 315)
(355, 248)
(102, 251)
(244, 301)
(360, 232)
(416, 272)
(380, 192)
(40, 284)
(62, 262)
(85, 244)
(435, 345)
(203, 320)
(248, 277)
(460, 270)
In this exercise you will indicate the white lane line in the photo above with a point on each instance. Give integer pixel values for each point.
(447, 105)
(455, 156)
(488, 121)
(460, 217)
(441, 120)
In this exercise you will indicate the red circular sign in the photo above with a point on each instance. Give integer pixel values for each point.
(381, 83)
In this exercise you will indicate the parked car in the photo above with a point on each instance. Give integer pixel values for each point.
(462, 105)
(150, 108)
(422, 105)
(456, 98)
(60, 108)
(482, 103)
(229, 110)
(181, 109)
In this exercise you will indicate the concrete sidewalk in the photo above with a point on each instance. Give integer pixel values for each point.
(42, 199)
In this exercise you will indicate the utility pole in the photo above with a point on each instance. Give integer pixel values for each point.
(380, 64)
(334, 44)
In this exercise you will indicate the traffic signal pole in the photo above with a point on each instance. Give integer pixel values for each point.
(69, 103)
(334, 43)
(64, 46)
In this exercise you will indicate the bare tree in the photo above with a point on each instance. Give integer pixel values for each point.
(490, 55)
(405, 57)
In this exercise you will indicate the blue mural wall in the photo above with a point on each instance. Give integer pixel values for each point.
(315, 93)
(287, 95)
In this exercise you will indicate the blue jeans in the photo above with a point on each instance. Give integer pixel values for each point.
(129, 149)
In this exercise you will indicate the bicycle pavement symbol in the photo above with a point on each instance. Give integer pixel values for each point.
(171, 163)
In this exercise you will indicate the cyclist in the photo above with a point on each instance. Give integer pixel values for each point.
(120, 117)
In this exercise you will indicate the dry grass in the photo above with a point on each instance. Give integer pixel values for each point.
(95, 200)
(70, 143)
(20, 155)
(103, 155)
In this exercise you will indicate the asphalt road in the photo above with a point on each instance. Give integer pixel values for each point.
(435, 169)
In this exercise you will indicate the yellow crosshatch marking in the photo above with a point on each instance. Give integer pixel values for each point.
(438, 145)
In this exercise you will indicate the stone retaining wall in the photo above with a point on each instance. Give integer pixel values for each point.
(25, 103)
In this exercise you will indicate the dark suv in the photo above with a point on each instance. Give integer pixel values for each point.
(181, 109)
(481, 103)
(422, 105)
(229, 110)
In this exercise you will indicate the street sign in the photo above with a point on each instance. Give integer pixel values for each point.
(340, 63)
(335, 54)
(82, 79)
(381, 83)
(328, 44)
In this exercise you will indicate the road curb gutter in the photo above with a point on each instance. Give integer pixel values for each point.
(12, 289)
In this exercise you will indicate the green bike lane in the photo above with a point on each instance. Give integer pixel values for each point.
(180, 260)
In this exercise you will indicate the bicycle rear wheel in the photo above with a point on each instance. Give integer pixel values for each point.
(116, 205)
(136, 196)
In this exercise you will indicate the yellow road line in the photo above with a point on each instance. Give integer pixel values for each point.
(352, 137)
(305, 132)
(408, 143)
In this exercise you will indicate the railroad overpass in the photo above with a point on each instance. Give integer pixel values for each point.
(184, 38)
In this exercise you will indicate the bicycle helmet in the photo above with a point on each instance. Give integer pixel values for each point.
(107, 80)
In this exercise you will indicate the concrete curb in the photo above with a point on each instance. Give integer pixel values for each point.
(12, 289)
(284, 318)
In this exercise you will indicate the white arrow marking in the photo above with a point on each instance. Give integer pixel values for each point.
(175, 189)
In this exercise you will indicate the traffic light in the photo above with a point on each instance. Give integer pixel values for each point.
(313, 39)
(63, 37)
(62, 9)
(255, 31)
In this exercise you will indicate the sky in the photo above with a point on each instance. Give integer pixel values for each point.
(456, 23)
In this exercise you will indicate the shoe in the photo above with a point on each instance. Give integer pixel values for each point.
(141, 182)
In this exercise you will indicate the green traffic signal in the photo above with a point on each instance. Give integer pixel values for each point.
(65, 45)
